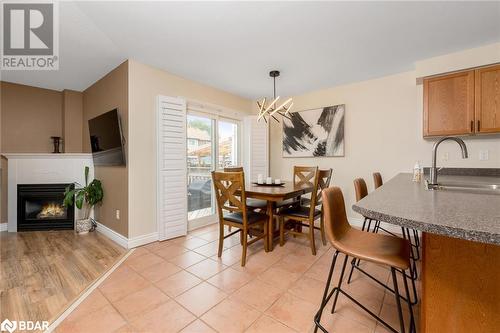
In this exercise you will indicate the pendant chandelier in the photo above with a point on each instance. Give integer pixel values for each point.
(274, 108)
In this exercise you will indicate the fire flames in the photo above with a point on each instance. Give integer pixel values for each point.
(51, 210)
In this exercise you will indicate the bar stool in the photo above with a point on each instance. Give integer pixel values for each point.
(361, 192)
(390, 251)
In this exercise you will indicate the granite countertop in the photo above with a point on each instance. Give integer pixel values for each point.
(471, 216)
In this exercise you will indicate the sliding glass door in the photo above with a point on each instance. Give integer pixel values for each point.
(212, 144)
(227, 144)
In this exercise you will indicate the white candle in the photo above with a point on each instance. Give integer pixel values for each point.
(260, 179)
(277, 181)
(269, 180)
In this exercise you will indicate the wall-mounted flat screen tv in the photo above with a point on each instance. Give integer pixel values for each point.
(106, 139)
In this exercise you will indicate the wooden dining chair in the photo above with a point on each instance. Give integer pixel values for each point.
(297, 215)
(233, 211)
(301, 177)
(253, 204)
(325, 177)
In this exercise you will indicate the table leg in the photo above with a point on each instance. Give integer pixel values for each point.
(270, 224)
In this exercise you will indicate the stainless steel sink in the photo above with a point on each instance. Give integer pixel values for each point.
(466, 187)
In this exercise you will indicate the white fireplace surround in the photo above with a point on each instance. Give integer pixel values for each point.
(42, 169)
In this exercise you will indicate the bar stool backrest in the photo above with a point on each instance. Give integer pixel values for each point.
(377, 179)
(361, 189)
(336, 223)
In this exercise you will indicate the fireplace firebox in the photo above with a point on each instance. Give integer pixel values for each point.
(40, 207)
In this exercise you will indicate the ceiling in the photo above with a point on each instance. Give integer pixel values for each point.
(234, 45)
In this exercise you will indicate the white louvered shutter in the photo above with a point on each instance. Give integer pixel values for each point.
(256, 148)
(172, 168)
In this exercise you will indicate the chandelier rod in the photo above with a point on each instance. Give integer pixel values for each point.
(274, 83)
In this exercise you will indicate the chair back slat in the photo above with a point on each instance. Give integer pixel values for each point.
(361, 189)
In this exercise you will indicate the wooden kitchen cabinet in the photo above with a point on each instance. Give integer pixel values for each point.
(449, 104)
(462, 103)
(487, 96)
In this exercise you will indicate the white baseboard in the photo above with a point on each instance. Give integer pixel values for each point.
(142, 240)
(3, 227)
(125, 242)
(113, 235)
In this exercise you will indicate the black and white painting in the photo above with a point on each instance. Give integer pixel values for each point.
(314, 133)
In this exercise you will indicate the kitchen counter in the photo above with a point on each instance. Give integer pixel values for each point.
(460, 274)
(465, 215)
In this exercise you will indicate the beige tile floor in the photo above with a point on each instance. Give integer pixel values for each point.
(181, 286)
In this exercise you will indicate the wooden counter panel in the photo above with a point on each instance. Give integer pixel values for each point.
(460, 285)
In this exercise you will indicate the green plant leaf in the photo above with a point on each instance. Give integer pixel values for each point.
(80, 196)
(94, 192)
(69, 194)
(86, 175)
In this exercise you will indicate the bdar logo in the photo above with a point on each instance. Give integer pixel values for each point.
(8, 325)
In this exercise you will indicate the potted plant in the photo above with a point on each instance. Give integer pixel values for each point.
(84, 197)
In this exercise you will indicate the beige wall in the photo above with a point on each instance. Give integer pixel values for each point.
(30, 116)
(383, 132)
(108, 93)
(72, 122)
(146, 83)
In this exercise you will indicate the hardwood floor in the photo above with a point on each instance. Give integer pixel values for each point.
(42, 273)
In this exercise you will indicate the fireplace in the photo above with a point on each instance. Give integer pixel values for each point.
(40, 207)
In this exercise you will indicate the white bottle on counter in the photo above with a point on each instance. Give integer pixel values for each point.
(417, 172)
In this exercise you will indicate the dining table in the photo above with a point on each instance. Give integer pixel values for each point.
(274, 194)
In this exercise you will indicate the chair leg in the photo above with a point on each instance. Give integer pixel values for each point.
(369, 225)
(311, 238)
(244, 252)
(353, 263)
(410, 307)
(322, 228)
(339, 284)
(266, 243)
(317, 318)
(398, 300)
(282, 231)
(221, 239)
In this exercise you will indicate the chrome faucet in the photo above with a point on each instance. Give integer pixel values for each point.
(433, 171)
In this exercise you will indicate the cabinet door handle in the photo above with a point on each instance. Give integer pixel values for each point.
(472, 126)
(479, 125)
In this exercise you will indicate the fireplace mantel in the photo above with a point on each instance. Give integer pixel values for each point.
(46, 156)
(29, 168)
